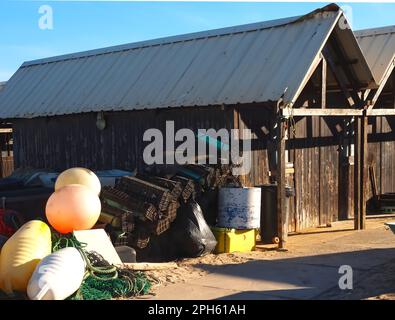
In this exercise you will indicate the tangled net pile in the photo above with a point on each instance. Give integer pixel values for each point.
(102, 281)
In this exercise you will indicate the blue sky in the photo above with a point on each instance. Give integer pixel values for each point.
(88, 25)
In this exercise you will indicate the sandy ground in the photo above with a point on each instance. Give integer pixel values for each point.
(188, 269)
(376, 269)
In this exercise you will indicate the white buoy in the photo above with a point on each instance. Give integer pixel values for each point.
(57, 276)
(239, 208)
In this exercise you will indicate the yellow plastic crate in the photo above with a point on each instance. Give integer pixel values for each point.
(233, 240)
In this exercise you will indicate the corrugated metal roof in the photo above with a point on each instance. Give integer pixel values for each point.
(251, 63)
(378, 46)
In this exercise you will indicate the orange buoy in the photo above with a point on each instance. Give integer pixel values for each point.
(78, 176)
(73, 207)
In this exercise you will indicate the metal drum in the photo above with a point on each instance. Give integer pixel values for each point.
(239, 208)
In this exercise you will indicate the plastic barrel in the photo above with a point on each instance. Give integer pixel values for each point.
(269, 223)
(239, 208)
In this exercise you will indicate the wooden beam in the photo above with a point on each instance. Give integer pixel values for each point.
(364, 171)
(381, 112)
(323, 82)
(302, 112)
(365, 94)
(282, 220)
(357, 173)
(305, 112)
(236, 125)
(339, 79)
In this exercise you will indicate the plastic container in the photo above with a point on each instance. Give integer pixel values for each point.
(269, 223)
(127, 254)
(232, 240)
(21, 254)
(239, 208)
(57, 276)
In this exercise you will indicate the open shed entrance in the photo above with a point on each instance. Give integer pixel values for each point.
(6, 144)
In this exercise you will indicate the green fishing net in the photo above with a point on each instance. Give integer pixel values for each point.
(93, 288)
(103, 281)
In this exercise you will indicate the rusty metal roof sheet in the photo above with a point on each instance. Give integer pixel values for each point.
(378, 46)
(257, 62)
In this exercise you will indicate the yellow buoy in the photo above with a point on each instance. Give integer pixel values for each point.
(21, 253)
(79, 176)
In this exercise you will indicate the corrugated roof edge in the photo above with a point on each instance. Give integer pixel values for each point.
(374, 31)
(185, 37)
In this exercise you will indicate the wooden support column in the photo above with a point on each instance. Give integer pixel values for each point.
(361, 171)
(236, 125)
(323, 82)
(357, 172)
(364, 170)
(282, 218)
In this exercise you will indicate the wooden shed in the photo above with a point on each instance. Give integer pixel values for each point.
(296, 83)
(378, 46)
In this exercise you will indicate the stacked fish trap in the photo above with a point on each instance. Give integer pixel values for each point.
(145, 205)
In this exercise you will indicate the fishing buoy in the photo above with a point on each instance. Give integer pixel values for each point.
(78, 176)
(57, 276)
(21, 253)
(73, 207)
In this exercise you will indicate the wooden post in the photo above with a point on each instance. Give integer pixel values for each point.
(364, 170)
(323, 82)
(236, 125)
(357, 172)
(280, 177)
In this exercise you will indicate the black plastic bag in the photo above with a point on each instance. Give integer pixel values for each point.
(208, 202)
(190, 232)
(189, 236)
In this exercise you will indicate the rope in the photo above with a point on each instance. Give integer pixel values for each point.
(102, 280)
(72, 241)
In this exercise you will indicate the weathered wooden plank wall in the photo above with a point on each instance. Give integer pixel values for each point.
(258, 120)
(73, 140)
(316, 172)
(381, 155)
(314, 152)
(387, 154)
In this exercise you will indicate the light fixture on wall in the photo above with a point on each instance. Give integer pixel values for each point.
(100, 121)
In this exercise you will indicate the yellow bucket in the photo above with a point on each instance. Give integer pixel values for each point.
(234, 240)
